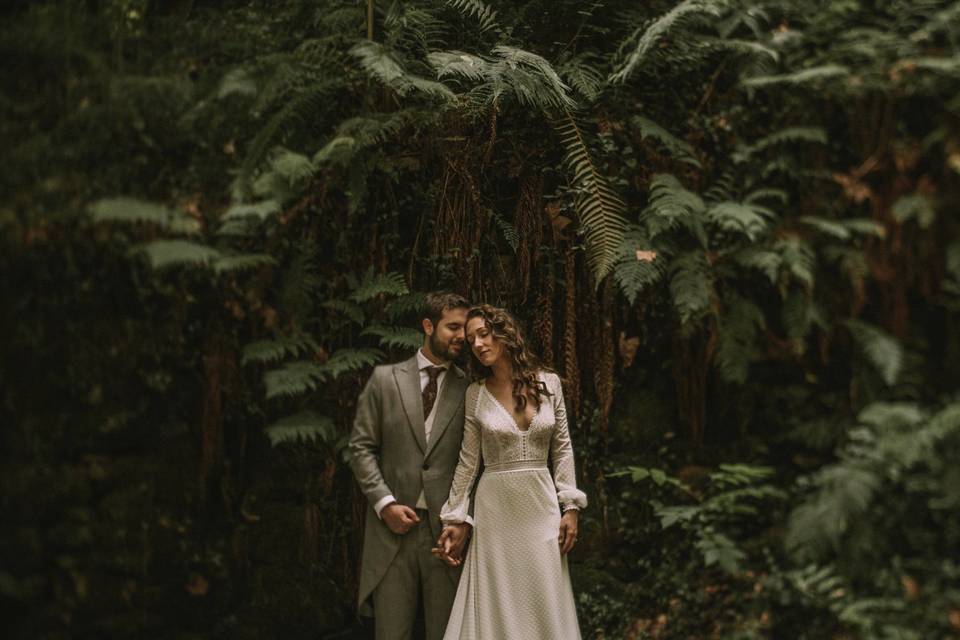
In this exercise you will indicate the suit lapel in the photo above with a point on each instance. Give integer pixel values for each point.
(449, 402)
(407, 376)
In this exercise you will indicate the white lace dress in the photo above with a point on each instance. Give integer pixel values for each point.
(515, 584)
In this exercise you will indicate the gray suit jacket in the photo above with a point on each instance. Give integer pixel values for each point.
(389, 453)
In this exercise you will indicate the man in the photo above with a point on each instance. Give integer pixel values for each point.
(404, 449)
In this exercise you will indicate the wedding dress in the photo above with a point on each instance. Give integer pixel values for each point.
(515, 584)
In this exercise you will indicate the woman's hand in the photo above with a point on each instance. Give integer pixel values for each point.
(568, 530)
(450, 545)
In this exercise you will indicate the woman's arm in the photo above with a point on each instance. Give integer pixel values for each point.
(457, 507)
(561, 454)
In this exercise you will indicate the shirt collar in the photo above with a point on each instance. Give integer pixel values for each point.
(423, 362)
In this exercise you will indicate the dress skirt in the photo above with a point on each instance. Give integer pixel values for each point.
(515, 584)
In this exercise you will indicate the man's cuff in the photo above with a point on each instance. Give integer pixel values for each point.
(382, 502)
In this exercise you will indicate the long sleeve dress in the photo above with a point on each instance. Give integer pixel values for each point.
(515, 583)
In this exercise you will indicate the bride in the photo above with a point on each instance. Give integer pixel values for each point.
(515, 581)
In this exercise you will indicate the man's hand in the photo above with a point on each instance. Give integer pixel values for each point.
(399, 518)
(568, 530)
(450, 545)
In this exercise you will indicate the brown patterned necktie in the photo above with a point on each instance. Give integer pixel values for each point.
(430, 391)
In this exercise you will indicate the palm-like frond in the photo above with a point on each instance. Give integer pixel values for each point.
(306, 426)
(268, 351)
(381, 63)
(134, 211)
(672, 206)
(679, 149)
(691, 284)
(601, 211)
(296, 378)
(164, 254)
(637, 266)
(804, 76)
(650, 35)
(881, 349)
(751, 220)
(376, 284)
(478, 10)
(398, 337)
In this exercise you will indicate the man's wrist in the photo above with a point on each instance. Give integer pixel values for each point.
(382, 504)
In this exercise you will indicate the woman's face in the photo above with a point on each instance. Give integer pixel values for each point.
(486, 348)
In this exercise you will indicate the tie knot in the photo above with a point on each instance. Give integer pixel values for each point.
(433, 372)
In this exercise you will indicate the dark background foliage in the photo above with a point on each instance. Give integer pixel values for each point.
(727, 224)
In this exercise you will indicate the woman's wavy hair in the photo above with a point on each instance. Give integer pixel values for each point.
(526, 384)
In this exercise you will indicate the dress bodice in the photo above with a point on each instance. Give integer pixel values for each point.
(492, 437)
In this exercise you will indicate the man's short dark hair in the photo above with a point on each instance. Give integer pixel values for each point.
(439, 301)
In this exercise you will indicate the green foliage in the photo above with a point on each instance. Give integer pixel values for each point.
(306, 426)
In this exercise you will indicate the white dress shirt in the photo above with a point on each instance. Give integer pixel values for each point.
(423, 363)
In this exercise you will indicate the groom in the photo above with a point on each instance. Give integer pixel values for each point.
(404, 448)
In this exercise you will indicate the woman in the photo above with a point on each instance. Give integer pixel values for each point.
(515, 582)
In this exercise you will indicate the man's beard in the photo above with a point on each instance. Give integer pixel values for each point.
(442, 350)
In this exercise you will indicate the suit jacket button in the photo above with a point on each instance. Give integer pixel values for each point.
(426, 466)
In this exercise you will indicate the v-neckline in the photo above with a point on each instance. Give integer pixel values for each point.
(509, 414)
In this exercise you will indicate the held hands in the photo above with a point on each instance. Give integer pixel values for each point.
(568, 530)
(399, 518)
(451, 543)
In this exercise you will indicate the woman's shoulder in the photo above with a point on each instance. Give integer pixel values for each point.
(550, 378)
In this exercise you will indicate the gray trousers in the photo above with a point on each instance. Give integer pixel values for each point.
(415, 573)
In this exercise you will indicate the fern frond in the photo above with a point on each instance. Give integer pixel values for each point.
(637, 267)
(679, 149)
(583, 76)
(306, 426)
(296, 378)
(134, 211)
(765, 260)
(533, 80)
(915, 206)
(844, 494)
(350, 309)
(881, 349)
(164, 254)
(405, 305)
(508, 230)
(399, 337)
(789, 135)
(805, 76)
(672, 206)
(798, 258)
(658, 29)
(379, 63)
(691, 283)
(259, 210)
(749, 219)
(373, 285)
(241, 262)
(478, 10)
(599, 207)
(268, 351)
(739, 327)
(458, 64)
(299, 113)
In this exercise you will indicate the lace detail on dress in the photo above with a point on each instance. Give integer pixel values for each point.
(491, 435)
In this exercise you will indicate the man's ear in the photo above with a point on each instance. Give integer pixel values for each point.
(427, 326)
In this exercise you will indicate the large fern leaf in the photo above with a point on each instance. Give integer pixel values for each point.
(164, 254)
(478, 10)
(267, 351)
(373, 285)
(672, 206)
(637, 266)
(134, 211)
(678, 148)
(651, 35)
(306, 426)
(739, 327)
(399, 337)
(599, 207)
(691, 283)
(881, 349)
